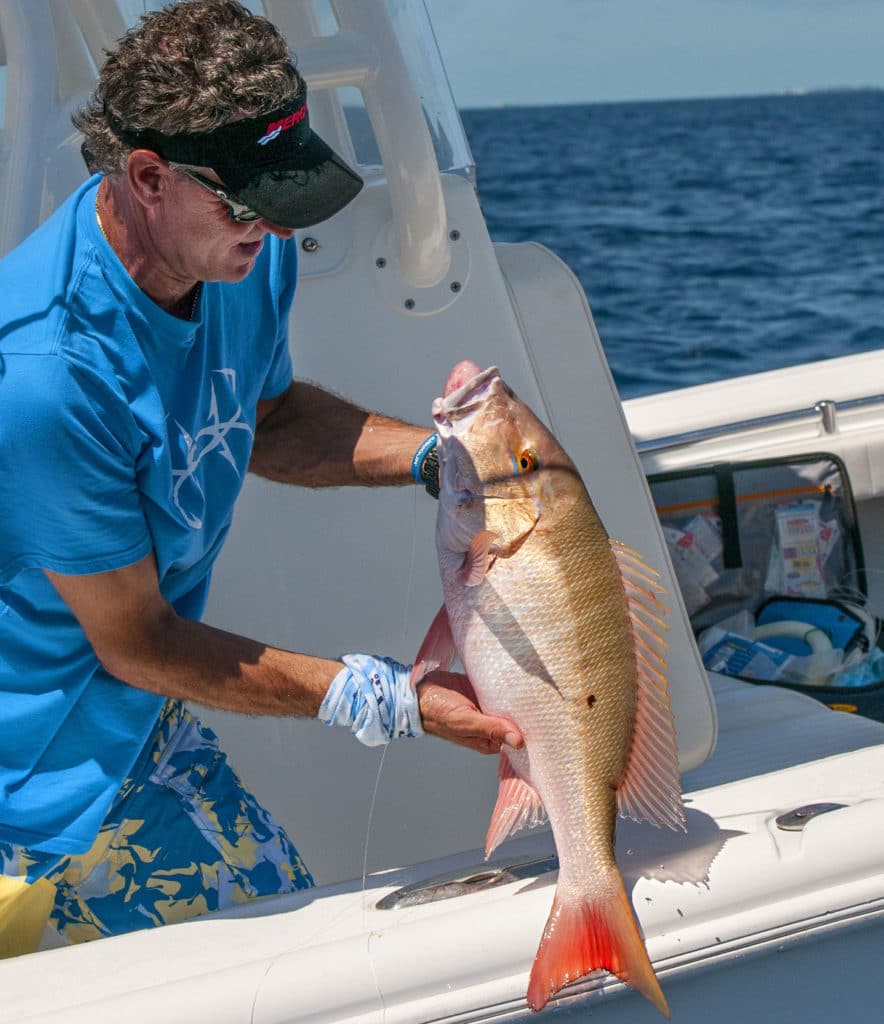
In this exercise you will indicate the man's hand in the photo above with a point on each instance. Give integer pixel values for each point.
(449, 709)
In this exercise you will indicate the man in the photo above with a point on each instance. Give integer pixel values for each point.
(158, 291)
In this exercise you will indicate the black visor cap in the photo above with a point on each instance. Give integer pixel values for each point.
(304, 192)
(275, 164)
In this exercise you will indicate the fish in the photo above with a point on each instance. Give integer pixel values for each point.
(560, 629)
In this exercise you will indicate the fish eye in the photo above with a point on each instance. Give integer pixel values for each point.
(527, 462)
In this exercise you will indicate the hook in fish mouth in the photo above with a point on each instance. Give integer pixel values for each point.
(453, 413)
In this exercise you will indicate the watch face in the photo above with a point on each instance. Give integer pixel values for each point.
(430, 472)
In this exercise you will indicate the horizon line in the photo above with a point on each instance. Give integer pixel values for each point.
(794, 91)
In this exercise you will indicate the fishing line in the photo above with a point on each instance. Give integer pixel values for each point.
(374, 796)
(405, 617)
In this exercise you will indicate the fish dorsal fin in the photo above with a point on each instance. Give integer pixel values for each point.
(518, 805)
(650, 789)
(437, 650)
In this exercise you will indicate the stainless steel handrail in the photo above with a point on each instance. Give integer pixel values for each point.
(825, 410)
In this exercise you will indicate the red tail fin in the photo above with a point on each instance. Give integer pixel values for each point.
(581, 937)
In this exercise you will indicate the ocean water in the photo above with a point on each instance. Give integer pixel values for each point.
(713, 237)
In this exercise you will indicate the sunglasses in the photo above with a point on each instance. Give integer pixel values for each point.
(238, 211)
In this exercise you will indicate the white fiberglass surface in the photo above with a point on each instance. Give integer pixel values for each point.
(133, 9)
(415, 33)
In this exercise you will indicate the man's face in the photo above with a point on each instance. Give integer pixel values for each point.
(198, 237)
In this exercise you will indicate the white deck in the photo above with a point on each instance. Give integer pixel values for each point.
(735, 886)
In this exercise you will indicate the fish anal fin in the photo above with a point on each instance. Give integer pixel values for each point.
(437, 649)
(583, 935)
(518, 806)
(650, 789)
(476, 561)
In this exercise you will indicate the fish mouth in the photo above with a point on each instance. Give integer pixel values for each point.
(453, 412)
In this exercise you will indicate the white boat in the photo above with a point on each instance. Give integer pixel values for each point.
(769, 907)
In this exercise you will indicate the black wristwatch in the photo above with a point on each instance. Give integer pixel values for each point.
(425, 466)
(429, 472)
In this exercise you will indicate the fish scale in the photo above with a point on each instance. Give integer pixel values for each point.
(558, 629)
(570, 739)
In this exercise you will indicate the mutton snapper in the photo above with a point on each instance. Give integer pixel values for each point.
(559, 629)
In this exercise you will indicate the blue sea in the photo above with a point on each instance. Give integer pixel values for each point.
(713, 237)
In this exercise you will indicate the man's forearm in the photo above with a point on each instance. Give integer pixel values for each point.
(189, 660)
(192, 661)
(317, 439)
(138, 637)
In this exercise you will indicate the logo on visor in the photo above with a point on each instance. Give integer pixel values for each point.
(278, 127)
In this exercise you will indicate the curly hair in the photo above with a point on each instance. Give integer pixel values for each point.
(190, 67)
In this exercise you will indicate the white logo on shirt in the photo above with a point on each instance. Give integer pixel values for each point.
(211, 438)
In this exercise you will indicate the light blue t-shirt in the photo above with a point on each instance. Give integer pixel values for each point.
(123, 430)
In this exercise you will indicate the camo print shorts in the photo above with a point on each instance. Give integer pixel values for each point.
(182, 838)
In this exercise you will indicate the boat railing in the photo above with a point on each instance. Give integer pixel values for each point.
(824, 415)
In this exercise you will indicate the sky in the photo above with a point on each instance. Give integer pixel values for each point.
(578, 51)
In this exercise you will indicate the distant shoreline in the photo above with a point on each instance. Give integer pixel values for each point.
(832, 90)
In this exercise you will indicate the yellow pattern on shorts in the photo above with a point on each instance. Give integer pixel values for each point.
(24, 913)
(183, 838)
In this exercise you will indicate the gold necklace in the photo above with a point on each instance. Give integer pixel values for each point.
(198, 288)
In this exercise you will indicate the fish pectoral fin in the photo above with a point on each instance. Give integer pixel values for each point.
(650, 789)
(478, 559)
(582, 935)
(437, 649)
(518, 806)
